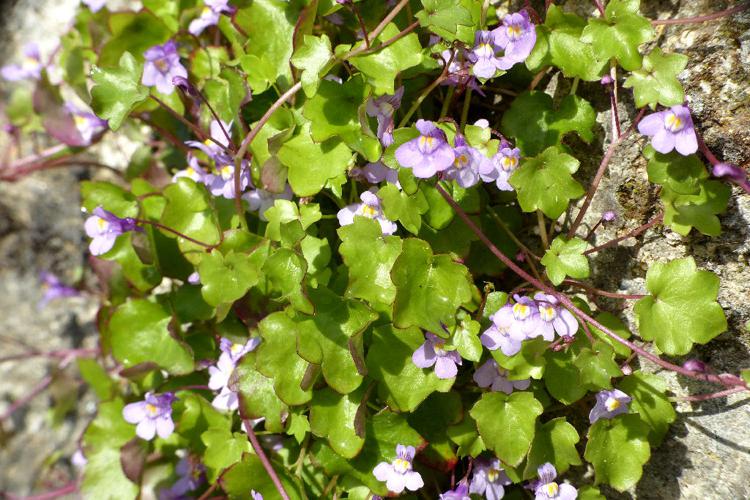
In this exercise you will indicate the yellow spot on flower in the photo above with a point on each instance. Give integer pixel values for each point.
(673, 123)
(226, 172)
(612, 404)
(521, 311)
(492, 475)
(151, 409)
(461, 161)
(513, 31)
(162, 65)
(368, 211)
(551, 489)
(508, 163)
(102, 224)
(547, 312)
(236, 348)
(426, 142)
(79, 121)
(401, 465)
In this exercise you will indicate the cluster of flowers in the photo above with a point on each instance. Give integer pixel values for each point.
(221, 373)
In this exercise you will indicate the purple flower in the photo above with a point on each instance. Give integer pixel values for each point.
(94, 5)
(29, 69)
(211, 148)
(221, 183)
(485, 51)
(503, 164)
(428, 154)
(383, 108)
(460, 493)
(375, 173)
(370, 208)
(88, 124)
(609, 404)
(520, 320)
(489, 479)
(670, 129)
(695, 365)
(221, 373)
(161, 66)
(54, 289)
(193, 171)
(209, 15)
(78, 460)
(398, 474)
(468, 164)
(460, 69)
(492, 376)
(235, 351)
(517, 36)
(433, 352)
(546, 488)
(104, 227)
(554, 318)
(609, 216)
(191, 475)
(255, 495)
(732, 173)
(499, 337)
(260, 200)
(153, 415)
(194, 278)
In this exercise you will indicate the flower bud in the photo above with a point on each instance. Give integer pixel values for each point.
(184, 84)
(729, 171)
(695, 365)
(606, 80)
(609, 216)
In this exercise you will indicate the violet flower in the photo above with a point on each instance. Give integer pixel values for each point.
(255, 495)
(670, 129)
(499, 337)
(492, 376)
(609, 216)
(87, 123)
(29, 69)
(94, 5)
(733, 173)
(517, 37)
(235, 351)
(375, 173)
(433, 352)
(221, 373)
(194, 278)
(398, 474)
(193, 171)
(153, 415)
(468, 164)
(545, 488)
(260, 200)
(428, 154)
(460, 493)
(695, 365)
(521, 319)
(209, 15)
(212, 149)
(191, 474)
(609, 404)
(370, 208)
(54, 289)
(554, 318)
(485, 52)
(460, 69)
(383, 109)
(505, 162)
(221, 183)
(489, 479)
(103, 227)
(161, 66)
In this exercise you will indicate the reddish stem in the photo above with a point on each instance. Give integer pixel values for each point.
(69, 488)
(174, 231)
(713, 395)
(63, 353)
(40, 386)
(264, 459)
(631, 234)
(703, 19)
(596, 291)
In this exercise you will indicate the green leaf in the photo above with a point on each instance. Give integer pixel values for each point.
(140, 333)
(110, 197)
(299, 426)
(97, 378)
(223, 448)
(225, 93)
(197, 416)
(370, 256)
(466, 436)
(312, 58)
(656, 83)
(227, 278)
(134, 33)
(312, 165)
(332, 338)
(597, 366)
(684, 212)
(554, 442)
(620, 33)
(565, 258)
(277, 358)
(614, 324)
(529, 362)
(338, 418)
(618, 448)
(403, 207)
(562, 377)
(103, 476)
(382, 67)
(536, 124)
(466, 340)
(682, 307)
(189, 211)
(429, 288)
(674, 172)
(545, 182)
(650, 401)
(507, 423)
(285, 270)
(431, 419)
(257, 396)
(401, 383)
(589, 492)
(443, 17)
(249, 474)
(117, 91)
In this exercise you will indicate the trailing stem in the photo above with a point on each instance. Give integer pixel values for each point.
(702, 19)
(264, 459)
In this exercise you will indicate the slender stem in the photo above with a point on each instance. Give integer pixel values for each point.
(218, 120)
(635, 232)
(599, 7)
(174, 231)
(331, 484)
(587, 331)
(385, 44)
(63, 353)
(465, 109)
(69, 488)
(565, 301)
(538, 77)
(192, 126)
(596, 291)
(210, 490)
(483, 18)
(702, 19)
(361, 23)
(616, 132)
(36, 158)
(264, 459)
(388, 18)
(38, 388)
(422, 97)
(599, 174)
(712, 159)
(447, 101)
(705, 397)
(510, 234)
(542, 229)
(302, 453)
